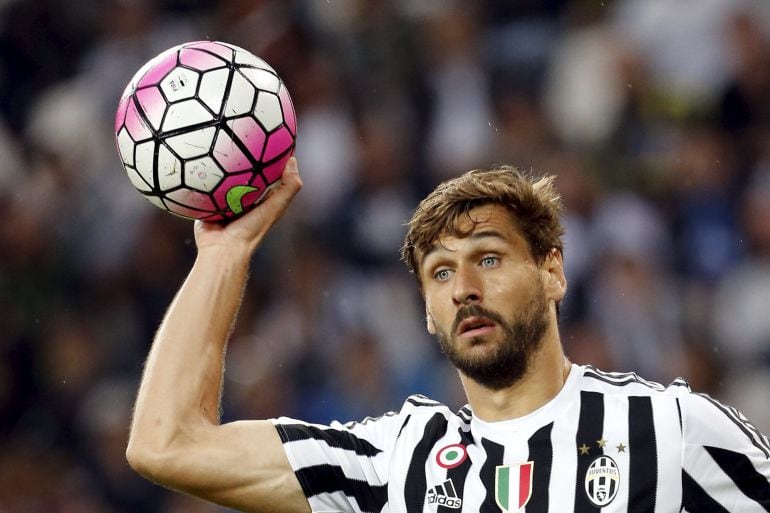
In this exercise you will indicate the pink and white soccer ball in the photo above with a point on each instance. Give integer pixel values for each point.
(204, 129)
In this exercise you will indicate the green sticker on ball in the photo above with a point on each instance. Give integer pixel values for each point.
(234, 197)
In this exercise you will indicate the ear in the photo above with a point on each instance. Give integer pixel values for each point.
(431, 324)
(554, 281)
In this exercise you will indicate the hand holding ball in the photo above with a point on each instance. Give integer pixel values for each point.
(204, 129)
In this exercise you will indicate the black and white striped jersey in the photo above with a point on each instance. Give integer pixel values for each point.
(608, 442)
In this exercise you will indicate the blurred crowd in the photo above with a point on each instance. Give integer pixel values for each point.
(653, 114)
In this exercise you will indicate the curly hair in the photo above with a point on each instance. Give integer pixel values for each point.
(533, 201)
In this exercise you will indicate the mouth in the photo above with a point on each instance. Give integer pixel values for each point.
(475, 326)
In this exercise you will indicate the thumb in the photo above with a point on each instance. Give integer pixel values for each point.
(289, 185)
(290, 177)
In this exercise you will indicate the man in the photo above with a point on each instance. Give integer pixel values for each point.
(538, 434)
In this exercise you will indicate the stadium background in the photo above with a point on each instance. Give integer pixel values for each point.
(654, 114)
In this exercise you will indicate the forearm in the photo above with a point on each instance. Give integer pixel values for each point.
(181, 385)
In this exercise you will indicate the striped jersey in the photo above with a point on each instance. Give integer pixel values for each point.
(608, 442)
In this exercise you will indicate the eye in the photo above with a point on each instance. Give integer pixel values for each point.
(441, 275)
(489, 261)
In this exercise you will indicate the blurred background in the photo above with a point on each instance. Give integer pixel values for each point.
(653, 114)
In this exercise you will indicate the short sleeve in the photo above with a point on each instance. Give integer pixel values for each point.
(341, 467)
(726, 459)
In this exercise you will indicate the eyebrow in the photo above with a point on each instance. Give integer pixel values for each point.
(483, 234)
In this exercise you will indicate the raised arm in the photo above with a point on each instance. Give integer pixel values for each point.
(176, 437)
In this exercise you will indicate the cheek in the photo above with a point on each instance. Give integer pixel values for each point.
(502, 287)
(513, 289)
(436, 313)
(430, 322)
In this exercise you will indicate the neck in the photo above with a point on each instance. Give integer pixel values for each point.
(545, 377)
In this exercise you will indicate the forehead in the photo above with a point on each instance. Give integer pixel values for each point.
(486, 216)
(490, 220)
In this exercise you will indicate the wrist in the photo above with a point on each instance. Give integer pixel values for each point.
(236, 255)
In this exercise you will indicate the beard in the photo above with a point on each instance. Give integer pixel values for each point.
(509, 359)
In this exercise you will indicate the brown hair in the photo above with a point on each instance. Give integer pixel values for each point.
(533, 201)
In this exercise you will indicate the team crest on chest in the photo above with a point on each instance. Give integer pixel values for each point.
(602, 480)
(513, 486)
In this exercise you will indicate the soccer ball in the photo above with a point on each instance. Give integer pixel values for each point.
(204, 130)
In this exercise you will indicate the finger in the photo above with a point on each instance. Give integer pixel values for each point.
(289, 186)
(290, 177)
(273, 204)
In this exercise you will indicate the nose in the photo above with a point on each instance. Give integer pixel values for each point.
(467, 287)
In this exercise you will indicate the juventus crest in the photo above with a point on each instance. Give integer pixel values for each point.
(602, 479)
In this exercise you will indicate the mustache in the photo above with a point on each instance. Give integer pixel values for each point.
(475, 311)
